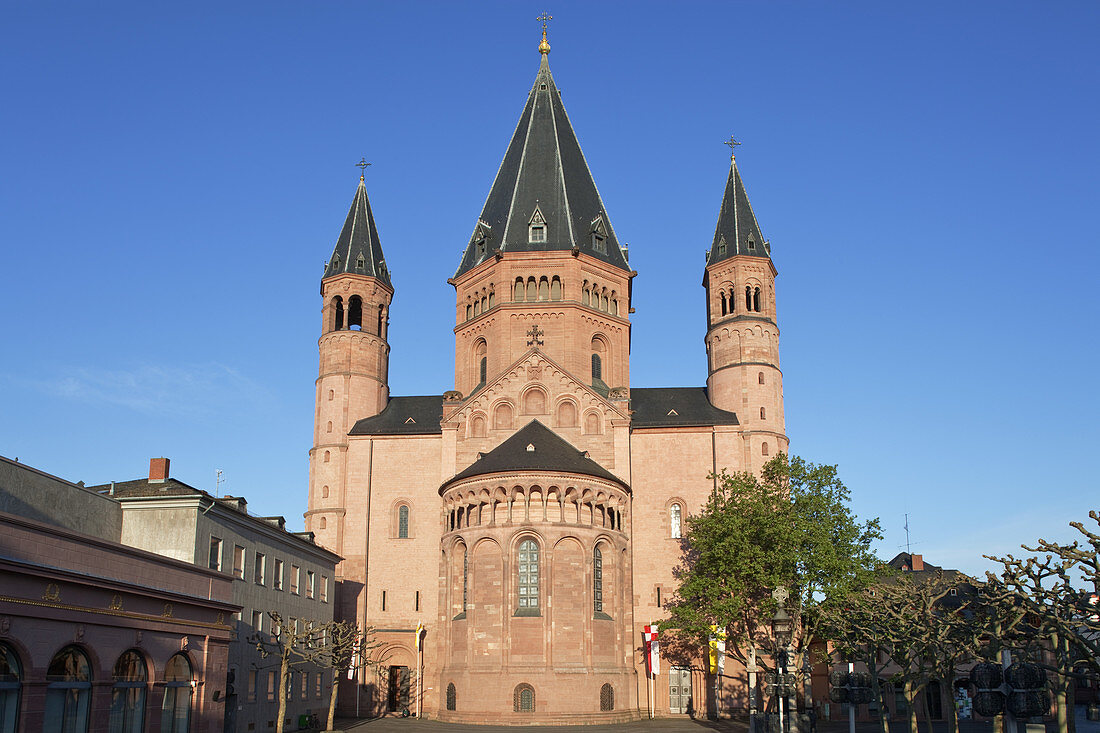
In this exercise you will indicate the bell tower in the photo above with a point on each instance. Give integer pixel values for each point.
(354, 362)
(742, 333)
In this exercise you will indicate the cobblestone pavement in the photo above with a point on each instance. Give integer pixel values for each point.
(672, 725)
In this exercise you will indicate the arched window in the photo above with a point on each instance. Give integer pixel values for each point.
(68, 691)
(760, 377)
(544, 289)
(614, 307)
(452, 701)
(603, 303)
(175, 716)
(585, 297)
(748, 298)
(355, 313)
(555, 288)
(484, 303)
(527, 575)
(492, 298)
(519, 290)
(11, 685)
(592, 424)
(128, 693)
(403, 521)
(597, 367)
(327, 457)
(337, 313)
(756, 300)
(477, 308)
(607, 697)
(331, 394)
(762, 414)
(723, 303)
(532, 290)
(465, 580)
(764, 449)
(323, 523)
(567, 415)
(477, 427)
(329, 428)
(381, 321)
(597, 581)
(523, 699)
(674, 512)
(324, 492)
(534, 402)
(480, 349)
(502, 417)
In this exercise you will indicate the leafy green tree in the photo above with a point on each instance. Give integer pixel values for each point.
(791, 526)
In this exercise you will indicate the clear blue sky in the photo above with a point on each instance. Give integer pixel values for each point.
(175, 174)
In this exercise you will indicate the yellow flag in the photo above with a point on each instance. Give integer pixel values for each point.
(419, 631)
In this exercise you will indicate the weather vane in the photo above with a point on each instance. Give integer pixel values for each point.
(733, 143)
(362, 166)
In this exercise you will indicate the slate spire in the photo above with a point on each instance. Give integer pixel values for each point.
(543, 197)
(737, 232)
(358, 251)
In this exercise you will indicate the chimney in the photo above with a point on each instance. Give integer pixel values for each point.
(158, 470)
(918, 562)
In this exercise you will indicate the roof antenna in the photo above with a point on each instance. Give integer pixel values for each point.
(218, 482)
(908, 547)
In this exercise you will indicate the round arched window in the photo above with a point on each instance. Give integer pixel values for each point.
(128, 693)
(68, 691)
(176, 713)
(11, 685)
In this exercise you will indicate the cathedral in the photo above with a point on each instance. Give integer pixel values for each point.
(530, 519)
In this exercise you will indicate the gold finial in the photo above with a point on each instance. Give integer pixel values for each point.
(362, 166)
(544, 46)
(733, 143)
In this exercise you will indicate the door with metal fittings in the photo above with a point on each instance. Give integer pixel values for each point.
(679, 690)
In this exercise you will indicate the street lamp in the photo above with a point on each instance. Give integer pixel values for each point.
(782, 632)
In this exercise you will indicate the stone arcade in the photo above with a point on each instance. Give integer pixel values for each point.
(531, 517)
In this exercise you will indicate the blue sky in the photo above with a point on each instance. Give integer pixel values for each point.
(175, 175)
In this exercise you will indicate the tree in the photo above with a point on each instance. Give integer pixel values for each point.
(295, 642)
(1052, 592)
(346, 649)
(791, 527)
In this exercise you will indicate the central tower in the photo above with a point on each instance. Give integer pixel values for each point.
(543, 268)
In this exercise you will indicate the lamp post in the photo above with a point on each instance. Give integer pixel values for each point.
(782, 631)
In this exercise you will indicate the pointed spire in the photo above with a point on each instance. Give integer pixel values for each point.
(543, 170)
(737, 232)
(358, 251)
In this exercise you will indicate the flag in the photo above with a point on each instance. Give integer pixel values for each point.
(354, 660)
(717, 649)
(419, 631)
(653, 651)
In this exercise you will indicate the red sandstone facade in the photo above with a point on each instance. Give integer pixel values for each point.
(588, 524)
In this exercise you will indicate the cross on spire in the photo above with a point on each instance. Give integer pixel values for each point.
(733, 143)
(362, 165)
(543, 19)
(534, 333)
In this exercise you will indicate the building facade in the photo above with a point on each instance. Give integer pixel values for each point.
(270, 569)
(530, 518)
(96, 635)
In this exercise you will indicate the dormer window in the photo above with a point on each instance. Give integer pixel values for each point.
(481, 247)
(598, 244)
(752, 243)
(360, 263)
(536, 233)
(599, 235)
(722, 247)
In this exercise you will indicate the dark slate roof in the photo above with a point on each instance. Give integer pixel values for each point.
(358, 241)
(419, 415)
(543, 168)
(737, 232)
(145, 487)
(656, 407)
(550, 453)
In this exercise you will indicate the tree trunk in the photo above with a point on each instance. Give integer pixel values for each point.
(952, 716)
(1071, 705)
(1060, 703)
(284, 672)
(876, 687)
(332, 698)
(928, 706)
(911, 703)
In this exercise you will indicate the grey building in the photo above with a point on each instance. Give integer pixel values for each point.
(273, 569)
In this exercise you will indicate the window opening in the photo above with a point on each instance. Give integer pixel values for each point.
(532, 292)
(723, 303)
(68, 691)
(215, 553)
(128, 693)
(338, 316)
(451, 697)
(238, 561)
(764, 449)
(403, 522)
(528, 575)
(523, 699)
(597, 580)
(519, 290)
(260, 569)
(465, 579)
(762, 414)
(756, 300)
(11, 684)
(538, 233)
(760, 377)
(555, 289)
(748, 298)
(277, 574)
(607, 697)
(597, 367)
(674, 521)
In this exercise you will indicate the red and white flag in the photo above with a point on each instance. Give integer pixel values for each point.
(653, 651)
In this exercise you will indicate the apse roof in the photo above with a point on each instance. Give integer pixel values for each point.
(357, 249)
(737, 232)
(535, 447)
(543, 180)
(655, 407)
